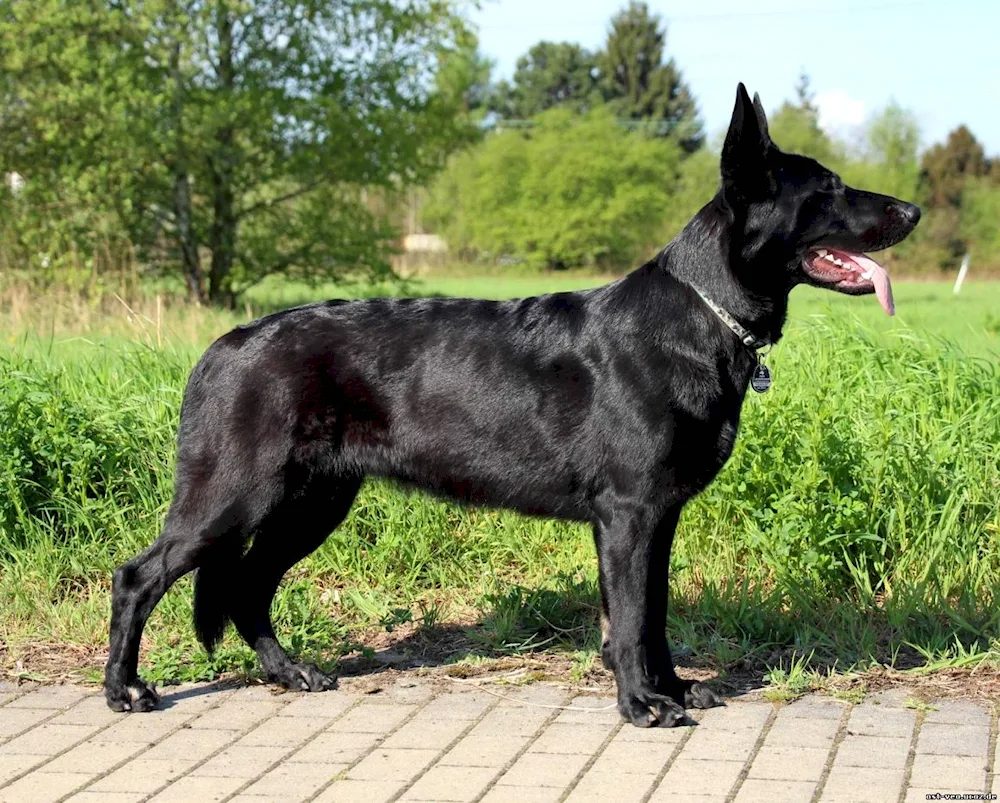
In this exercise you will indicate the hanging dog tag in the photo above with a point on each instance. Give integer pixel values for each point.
(760, 380)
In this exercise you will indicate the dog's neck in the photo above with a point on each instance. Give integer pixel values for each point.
(705, 255)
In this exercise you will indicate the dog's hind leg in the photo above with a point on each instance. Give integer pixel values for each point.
(293, 530)
(139, 584)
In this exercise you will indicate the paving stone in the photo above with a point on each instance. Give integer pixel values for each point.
(543, 769)
(946, 739)
(949, 773)
(451, 783)
(533, 695)
(958, 712)
(512, 721)
(789, 763)
(458, 706)
(369, 718)
(190, 743)
(336, 748)
(879, 721)
(629, 735)
(248, 745)
(140, 728)
(423, 732)
(589, 710)
(621, 787)
(572, 738)
(47, 740)
(51, 698)
(18, 720)
(236, 715)
(815, 708)
(477, 750)
(916, 795)
(287, 732)
(634, 758)
(698, 777)
(142, 775)
(87, 796)
(348, 791)
(798, 732)
(91, 757)
(240, 762)
(760, 791)
(13, 765)
(43, 788)
(321, 706)
(523, 794)
(200, 789)
(863, 784)
(889, 752)
(391, 764)
(295, 780)
(89, 711)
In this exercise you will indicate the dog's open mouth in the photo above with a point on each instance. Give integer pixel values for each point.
(848, 272)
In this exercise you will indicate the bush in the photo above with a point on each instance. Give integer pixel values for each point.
(571, 191)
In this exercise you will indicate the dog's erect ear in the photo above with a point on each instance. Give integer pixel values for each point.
(761, 117)
(744, 169)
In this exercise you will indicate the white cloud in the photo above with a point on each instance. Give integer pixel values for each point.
(838, 110)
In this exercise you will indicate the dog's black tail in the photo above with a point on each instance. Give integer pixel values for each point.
(212, 586)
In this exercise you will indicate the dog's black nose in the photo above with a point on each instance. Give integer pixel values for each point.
(911, 212)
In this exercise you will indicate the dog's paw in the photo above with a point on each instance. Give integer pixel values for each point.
(304, 677)
(644, 708)
(698, 695)
(689, 693)
(135, 696)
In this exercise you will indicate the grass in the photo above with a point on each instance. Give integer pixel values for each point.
(857, 525)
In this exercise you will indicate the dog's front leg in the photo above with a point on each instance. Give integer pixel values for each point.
(659, 663)
(629, 542)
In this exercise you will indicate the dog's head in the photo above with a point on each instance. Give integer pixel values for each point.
(794, 221)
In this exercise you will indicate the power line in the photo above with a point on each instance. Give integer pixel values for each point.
(563, 24)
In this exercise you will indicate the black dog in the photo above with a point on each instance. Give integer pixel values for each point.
(613, 406)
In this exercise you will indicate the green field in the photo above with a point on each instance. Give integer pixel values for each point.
(857, 525)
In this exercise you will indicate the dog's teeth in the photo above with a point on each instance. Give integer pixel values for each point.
(830, 257)
(867, 275)
(838, 262)
(822, 252)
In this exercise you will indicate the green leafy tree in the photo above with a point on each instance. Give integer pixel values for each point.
(947, 166)
(639, 85)
(574, 190)
(888, 160)
(248, 131)
(550, 74)
(795, 127)
(980, 223)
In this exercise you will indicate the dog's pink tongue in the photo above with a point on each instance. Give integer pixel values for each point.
(883, 287)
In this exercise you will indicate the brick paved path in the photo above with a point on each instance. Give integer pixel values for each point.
(419, 741)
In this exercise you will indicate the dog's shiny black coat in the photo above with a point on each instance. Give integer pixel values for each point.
(612, 406)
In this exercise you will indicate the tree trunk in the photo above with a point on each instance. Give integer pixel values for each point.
(186, 237)
(222, 164)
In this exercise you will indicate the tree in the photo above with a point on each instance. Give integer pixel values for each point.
(250, 131)
(947, 167)
(550, 74)
(795, 127)
(573, 190)
(889, 160)
(639, 85)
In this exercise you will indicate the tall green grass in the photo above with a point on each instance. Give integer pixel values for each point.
(858, 521)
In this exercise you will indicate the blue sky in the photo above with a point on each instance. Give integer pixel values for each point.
(939, 59)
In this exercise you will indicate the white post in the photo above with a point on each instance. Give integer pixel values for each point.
(961, 273)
